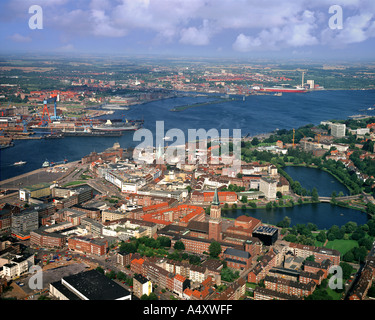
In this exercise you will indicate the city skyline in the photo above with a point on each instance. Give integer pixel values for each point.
(241, 29)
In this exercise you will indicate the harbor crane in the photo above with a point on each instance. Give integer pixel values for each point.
(318, 136)
(46, 118)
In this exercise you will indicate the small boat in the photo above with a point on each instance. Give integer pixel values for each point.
(20, 163)
(45, 164)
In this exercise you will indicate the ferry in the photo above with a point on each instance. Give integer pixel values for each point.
(281, 89)
(19, 163)
(119, 126)
(46, 164)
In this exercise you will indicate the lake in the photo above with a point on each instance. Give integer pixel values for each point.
(310, 178)
(324, 215)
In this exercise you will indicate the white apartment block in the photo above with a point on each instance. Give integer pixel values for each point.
(268, 186)
(15, 267)
(338, 130)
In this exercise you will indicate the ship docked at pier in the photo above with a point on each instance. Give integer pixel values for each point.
(281, 89)
(117, 126)
(97, 127)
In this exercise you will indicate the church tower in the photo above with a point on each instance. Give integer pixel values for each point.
(215, 221)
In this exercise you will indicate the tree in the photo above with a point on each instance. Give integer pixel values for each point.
(290, 238)
(285, 223)
(121, 276)
(244, 199)
(255, 141)
(111, 274)
(179, 245)
(348, 257)
(194, 260)
(253, 205)
(279, 194)
(347, 270)
(315, 195)
(350, 226)
(310, 258)
(100, 269)
(321, 237)
(129, 247)
(214, 249)
(151, 296)
(164, 241)
(228, 275)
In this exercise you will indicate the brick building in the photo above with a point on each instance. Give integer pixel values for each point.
(289, 287)
(98, 247)
(41, 238)
(237, 259)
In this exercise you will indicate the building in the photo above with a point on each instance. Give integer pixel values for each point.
(289, 287)
(89, 285)
(92, 226)
(338, 130)
(320, 254)
(42, 238)
(15, 266)
(237, 259)
(6, 218)
(215, 221)
(267, 294)
(97, 246)
(180, 283)
(234, 291)
(261, 269)
(124, 258)
(268, 186)
(365, 281)
(141, 286)
(35, 191)
(24, 222)
(315, 267)
(268, 235)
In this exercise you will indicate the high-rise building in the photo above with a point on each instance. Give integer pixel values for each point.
(338, 130)
(268, 187)
(24, 222)
(215, 221)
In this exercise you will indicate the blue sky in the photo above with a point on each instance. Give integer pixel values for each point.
(230, 28)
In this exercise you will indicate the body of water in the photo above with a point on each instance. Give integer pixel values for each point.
(324, 215)
(255, 115)
(311, 178)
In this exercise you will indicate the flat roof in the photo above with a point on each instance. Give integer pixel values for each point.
(265, 230)
(96, 286)
(65, 291)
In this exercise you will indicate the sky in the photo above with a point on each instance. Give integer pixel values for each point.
(293, 29)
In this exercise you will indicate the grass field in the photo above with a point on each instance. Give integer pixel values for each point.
(73, 183)
(342, 245)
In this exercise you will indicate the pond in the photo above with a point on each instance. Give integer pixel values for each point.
(309, 178)
(324, 215)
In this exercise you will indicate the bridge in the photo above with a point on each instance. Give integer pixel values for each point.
(328, 199)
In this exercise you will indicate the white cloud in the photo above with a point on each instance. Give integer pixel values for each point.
(20, 38)
(198, 37)
(356, 29)
(66, 48)
(297, 32)
(257, 25)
